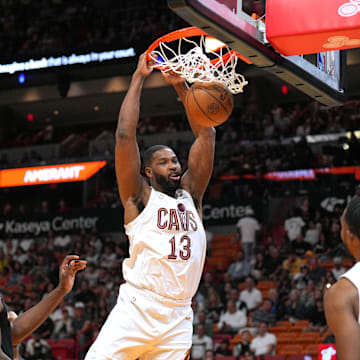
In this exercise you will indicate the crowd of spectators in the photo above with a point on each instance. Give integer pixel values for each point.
(51, 28)
(300, 263)
(253, 141)
(29, 270)
(228, 305)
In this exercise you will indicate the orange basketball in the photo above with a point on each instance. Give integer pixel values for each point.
(209, 104)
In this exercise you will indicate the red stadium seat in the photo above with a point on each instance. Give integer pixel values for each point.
(60, 351)
(296, 357)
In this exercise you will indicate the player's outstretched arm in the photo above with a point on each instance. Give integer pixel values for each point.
(341, 315)
(30, 320)
(127, 156)
(201, 155)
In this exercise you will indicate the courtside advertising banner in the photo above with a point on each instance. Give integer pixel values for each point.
(327, 352)
(49, 174)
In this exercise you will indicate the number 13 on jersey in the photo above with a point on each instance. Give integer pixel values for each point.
(183, 251)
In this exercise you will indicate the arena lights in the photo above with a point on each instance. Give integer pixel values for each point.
(30, 117)
(49, 174)
(44, 63)
(21, 78)
(285, 90)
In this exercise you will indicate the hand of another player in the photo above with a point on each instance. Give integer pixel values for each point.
(173, 78)
(68, 269)
(145, 66)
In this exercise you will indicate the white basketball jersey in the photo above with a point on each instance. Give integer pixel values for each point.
(354, 276)
(167, 246)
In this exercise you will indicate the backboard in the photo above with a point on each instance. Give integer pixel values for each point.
(320, 76)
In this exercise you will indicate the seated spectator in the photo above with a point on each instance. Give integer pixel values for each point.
(294, 225)
(263, 315)
(240, 268)
(317, 272)
(232, 320)
(10, 247)
(264, 343)
(84, 292)
(207, 282)
(92, 255)
(244, 345)
(249, 355)
(272, 260)
(307, 296)
(91, 274)
(312, 234)
(278, 307)
(223, 349)
(202, 320)
(293, 308)
(16, 274)
(107, 258)
(82, 328)
(317, 315)
(234, 296)
(301, 278)
(46, 329)
(214, 306)
(251, 296)
(63, 326)
(292, 263)
(309, 254)
(257, 270)
(299, 246)
(209, 355)
(58, 313)
(196, 307)
(200, 344)
(38, 349)
(338, 269)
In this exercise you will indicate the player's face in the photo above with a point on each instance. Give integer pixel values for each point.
(165, 170)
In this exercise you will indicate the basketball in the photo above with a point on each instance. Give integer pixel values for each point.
(209, 104)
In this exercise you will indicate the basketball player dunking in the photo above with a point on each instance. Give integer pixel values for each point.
(342, 299)
(153, 317)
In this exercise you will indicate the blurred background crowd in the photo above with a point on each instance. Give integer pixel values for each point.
(267, 265)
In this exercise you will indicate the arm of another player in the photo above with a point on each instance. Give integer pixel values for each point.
(127, 156)
(30, 320)
(201, 155)
(340, 309)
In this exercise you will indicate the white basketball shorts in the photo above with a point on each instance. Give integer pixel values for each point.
(145, 326)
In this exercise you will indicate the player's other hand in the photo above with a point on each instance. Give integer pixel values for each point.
(68, 269)
(145, 66)
(173, 78)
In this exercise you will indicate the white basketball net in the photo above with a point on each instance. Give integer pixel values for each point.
(196, 66)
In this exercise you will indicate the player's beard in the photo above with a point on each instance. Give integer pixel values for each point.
(168, 186)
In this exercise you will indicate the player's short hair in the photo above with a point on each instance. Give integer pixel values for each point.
(148, 154)
(352, 215)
